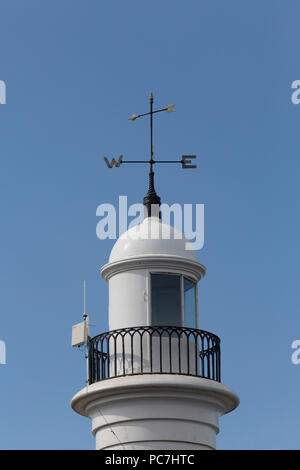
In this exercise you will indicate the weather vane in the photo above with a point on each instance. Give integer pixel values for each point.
(186, 160)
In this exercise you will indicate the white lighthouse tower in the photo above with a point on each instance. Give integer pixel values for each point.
(154, 379)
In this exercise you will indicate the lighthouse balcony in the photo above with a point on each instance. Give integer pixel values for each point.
(154, 350)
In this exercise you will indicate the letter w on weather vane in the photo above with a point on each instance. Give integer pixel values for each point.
(186, 160)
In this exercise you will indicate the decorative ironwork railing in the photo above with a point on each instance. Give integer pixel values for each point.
(154, 350)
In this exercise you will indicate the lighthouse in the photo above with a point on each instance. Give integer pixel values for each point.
(154, 378)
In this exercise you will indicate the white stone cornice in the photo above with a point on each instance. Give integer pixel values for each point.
(154, 411)
(161, 262)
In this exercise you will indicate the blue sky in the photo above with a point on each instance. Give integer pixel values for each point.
(74, 72)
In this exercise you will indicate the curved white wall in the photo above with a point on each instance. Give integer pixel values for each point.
(128, 299)
(129, 285)
(155, 411)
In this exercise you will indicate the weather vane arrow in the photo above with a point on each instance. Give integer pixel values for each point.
(186, 160)
(151, 199)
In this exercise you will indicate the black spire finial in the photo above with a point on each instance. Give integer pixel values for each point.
(151, 197)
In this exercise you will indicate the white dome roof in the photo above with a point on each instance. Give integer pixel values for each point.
(152, 237)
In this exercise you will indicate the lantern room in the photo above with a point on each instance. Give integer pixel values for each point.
(153, 274)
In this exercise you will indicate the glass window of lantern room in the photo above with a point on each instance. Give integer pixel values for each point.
(166, 305)
(190, 303)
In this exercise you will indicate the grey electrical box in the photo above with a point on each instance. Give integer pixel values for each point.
(80, 333)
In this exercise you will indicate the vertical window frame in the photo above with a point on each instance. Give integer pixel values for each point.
(195, 300)
(182, 299)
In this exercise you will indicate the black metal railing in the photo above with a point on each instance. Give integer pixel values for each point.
(154, 350)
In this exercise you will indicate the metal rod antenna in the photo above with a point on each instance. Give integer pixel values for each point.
(87, 325)
(84, 300)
